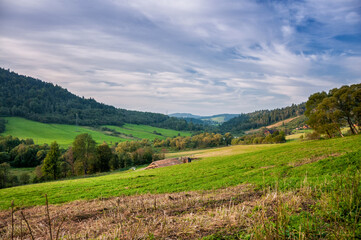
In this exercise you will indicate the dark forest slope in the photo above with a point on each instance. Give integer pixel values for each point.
(261, 118)
(40, 101)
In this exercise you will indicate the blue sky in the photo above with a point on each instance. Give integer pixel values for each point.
(199, 56)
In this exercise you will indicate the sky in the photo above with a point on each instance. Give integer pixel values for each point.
(202, 57)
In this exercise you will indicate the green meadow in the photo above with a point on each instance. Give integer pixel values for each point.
(46, 133)
(148, 132)
(287, 165)
(65, 134)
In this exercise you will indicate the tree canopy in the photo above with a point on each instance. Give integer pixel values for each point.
(328, 112)
(84, 149)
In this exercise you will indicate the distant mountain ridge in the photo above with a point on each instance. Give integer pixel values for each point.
(215, 119)
(184, 115)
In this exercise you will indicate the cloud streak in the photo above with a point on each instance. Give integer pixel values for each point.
(201, 56)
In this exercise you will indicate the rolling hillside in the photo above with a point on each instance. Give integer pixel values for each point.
(262, 118)
(298, 190)
(261, 165)
(65, 134)
(22, 96)
(289, 123)
(147, 132)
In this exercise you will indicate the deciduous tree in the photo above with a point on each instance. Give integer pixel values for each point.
(104, 155)
(50, 166)
(84, 151)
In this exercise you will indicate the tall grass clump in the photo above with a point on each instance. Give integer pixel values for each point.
(341, 204)
(330, 210)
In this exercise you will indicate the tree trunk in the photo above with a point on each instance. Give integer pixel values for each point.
(328, 133)
(351, 125)
(339, 129)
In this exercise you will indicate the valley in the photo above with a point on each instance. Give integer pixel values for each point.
(78, 166)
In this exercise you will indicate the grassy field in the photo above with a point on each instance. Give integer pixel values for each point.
(296, 134)
(144, 131)
(220, 152)
(287, 164)
(296, 190)
(18, 171)
(65, 134)
(47, 133)
(219, 119)
(290, 123)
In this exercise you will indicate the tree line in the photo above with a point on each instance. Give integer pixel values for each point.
(18, 153)
(262, 137)
(329, 112)
(83, 157)
(21, 153)
(254, 120)
(36, 100)
(203, 140)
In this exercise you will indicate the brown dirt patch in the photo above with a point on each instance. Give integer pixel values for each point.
(266, 167)
(278, 124)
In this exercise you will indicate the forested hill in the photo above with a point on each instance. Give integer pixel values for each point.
(40, 101)
(261, 118)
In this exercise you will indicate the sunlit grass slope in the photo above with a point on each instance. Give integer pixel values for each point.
(220, 152)
(144, 131)
(47, 133)
(65, 134)
(287, 164)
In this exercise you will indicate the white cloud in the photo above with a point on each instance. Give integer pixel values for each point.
(277, 59)
(203, 57)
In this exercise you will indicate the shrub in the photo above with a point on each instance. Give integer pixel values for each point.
(313, 136)
(24, 178)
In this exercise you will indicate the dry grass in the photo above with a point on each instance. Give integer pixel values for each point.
(239, 212)
(275, 125)
(278, 124)
(188, 215)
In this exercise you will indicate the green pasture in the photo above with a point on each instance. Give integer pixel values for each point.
(285, 165)
(46, 133)
(65, 134)
(296, 134)
(219, 119)
(145, 131)
(19, 171)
